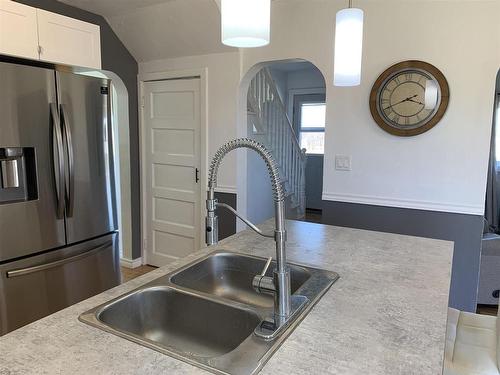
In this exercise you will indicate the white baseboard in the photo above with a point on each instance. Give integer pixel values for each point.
(403, 203)
(130, 263)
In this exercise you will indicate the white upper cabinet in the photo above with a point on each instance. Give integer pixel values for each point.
(36, 34)
(18, 30)
(69, 41)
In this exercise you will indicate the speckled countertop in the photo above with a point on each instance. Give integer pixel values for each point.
(386, 315)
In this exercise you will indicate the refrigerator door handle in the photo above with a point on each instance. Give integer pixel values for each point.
(70, 185)
(57, 263)
(58, 159)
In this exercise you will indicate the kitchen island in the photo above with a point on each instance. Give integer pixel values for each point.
(385, 315)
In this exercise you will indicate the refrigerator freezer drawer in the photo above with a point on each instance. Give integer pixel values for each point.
(41, 285)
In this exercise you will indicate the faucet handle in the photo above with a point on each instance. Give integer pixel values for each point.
(262, 283)
(268, 263)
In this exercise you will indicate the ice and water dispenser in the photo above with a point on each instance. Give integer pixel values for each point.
(17, 174)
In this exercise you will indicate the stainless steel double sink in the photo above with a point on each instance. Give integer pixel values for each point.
(205, 313)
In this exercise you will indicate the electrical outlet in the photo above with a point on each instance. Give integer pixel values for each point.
(342, 163)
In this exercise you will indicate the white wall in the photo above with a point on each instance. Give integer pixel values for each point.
(223, 78)
(443, 169)
(122, 161)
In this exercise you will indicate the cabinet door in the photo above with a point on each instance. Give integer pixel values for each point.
(18, 30)
(68, 41)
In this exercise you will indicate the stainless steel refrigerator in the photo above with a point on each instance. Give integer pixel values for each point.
(58, 225)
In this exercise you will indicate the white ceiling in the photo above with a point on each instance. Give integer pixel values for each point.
(110, 8)
(159, 29)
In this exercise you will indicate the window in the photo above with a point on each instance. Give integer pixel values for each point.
(312, 127)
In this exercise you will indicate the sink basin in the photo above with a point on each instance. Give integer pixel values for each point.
(205, 313)
(229, 276)
(181, 321)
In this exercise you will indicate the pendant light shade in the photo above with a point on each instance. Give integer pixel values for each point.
(246, 23)
(348, 47)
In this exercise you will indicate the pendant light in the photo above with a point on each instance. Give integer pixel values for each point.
(348, 47)
(245, 23)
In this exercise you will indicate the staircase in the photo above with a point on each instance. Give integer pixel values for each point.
(269, 124)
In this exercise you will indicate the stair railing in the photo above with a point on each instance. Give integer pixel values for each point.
(274, 129)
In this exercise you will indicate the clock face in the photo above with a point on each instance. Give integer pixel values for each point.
(402, 99)
(409, 98)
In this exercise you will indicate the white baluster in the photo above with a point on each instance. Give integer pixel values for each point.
(281, 132)
(280, 137)
(269, 132)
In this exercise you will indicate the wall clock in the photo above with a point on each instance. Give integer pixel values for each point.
(409, 98)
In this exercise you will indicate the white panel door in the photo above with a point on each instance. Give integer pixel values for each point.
(66, 40)
(172, 158)
(18, 30)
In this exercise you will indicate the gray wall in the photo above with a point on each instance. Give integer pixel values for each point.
(117, 59)
(464, 230)
(314, 181)
(227, 221)
(280, 80)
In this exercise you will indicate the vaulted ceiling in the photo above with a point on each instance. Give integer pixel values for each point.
(159, 29)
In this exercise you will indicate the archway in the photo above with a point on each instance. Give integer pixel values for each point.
(121, 155)
(282, 105)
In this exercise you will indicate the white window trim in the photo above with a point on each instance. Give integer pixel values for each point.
(291, 97)
(311, 130)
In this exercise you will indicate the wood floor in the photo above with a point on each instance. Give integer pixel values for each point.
(487, 310)
(313, 216)
(131, 273)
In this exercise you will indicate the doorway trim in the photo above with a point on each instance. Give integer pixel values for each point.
(202, 74)
(121, 154)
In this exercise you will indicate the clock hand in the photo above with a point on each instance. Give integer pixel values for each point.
(392, 105)
(414, 101)
(408, 99)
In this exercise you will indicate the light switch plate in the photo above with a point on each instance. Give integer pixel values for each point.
(342, 162)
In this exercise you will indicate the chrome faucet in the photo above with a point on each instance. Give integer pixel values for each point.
(286, 306)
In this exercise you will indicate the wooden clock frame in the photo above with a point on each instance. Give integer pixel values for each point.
(410, 64)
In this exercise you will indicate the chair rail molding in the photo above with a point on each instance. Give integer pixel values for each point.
(405, 203)
(226, 189)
